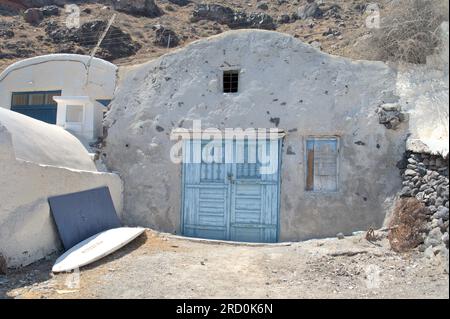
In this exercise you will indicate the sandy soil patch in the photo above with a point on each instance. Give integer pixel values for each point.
(163, 266)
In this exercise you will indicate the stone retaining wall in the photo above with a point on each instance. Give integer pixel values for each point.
(425, 177)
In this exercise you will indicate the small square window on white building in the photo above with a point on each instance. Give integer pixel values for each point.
(322, 164)
(74, 113)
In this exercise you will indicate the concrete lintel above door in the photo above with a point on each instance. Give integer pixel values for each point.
(271, 133)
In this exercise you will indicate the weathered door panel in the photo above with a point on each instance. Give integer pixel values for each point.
(232, 201)
(205, 196)
(45, 113)
(255, 194)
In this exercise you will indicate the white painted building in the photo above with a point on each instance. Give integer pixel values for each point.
(68, 90)
(336, 166)
(39, 160)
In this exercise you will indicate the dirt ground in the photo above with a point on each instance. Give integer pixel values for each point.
(164, 266)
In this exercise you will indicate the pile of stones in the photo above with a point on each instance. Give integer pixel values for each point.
(425, 177)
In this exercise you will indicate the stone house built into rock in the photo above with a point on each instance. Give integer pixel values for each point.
(332, 165)
(68, 90)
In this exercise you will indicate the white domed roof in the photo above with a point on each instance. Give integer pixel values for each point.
(43, 143)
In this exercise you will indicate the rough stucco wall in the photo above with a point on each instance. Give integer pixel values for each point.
(312, 93)
(43, 143)
(57, 72)
(424, 95)
(27, 232)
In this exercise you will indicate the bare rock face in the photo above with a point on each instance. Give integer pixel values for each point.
(213, 12)
(147, 8)
(235, 20)
(165, 37)
(310, 10)
(51, 10)
(33, 16)
(284, 18)
(41, 3)
(112, 47)
(7, 34)
(257, 21)
(263, 6)
(116, 44)
(181, 3)
(332, 11)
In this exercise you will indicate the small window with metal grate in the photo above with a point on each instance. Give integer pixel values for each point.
(230, 81)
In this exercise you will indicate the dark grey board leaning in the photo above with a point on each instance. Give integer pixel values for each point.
(81, 215)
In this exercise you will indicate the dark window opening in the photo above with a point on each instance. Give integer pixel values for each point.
(34, 98)
(230, 81)
(38, 105)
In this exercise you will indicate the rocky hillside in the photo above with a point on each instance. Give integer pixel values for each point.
(146, 29)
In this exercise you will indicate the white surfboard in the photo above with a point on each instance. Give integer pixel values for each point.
(96, 247)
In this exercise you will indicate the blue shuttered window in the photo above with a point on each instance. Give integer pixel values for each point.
(39, 105)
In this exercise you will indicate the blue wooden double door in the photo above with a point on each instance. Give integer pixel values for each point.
(227, 194)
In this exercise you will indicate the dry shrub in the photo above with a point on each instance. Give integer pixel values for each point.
(407, 224)
(409, 30)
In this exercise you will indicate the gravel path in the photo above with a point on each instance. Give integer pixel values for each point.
(164, 266)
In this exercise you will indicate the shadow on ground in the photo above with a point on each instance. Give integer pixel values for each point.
(40, 272)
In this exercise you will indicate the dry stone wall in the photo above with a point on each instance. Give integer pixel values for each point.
(425, 177)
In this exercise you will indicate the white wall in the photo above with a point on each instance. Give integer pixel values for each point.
(424, 92)
(66, 72)
(90, 127)
(42, 143)
(27, 231)
(311, 93)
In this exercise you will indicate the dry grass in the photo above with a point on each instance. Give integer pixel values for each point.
(409, 30)
(407, 222)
